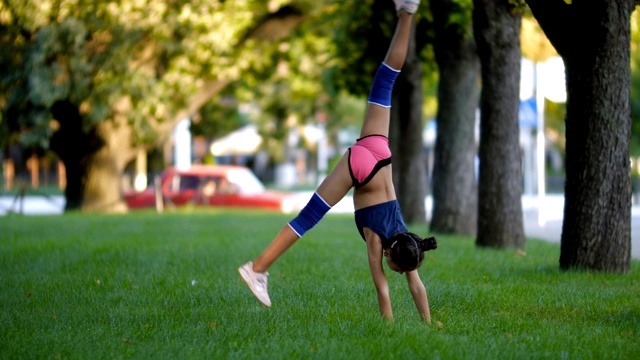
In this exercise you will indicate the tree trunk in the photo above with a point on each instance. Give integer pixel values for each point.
(497, 34)
(409, 168)
(596, 233)
(455, 191)
(94, 160)
(594, 43)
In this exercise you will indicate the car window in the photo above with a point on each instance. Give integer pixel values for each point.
(184, 182)
(188, 182)
(209, 185)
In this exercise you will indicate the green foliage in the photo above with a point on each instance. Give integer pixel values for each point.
(361, 32)
(290, 84)
(460, 15)
(165, 287)
(345, 110)
(217, 118)
(372, 23)
(142, 60)
(554, 120)
(137, 59)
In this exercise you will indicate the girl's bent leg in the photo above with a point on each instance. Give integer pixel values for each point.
(334, 187)
(283, 241)
(338, 183)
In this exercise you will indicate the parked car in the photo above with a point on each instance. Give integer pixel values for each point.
(214, 185)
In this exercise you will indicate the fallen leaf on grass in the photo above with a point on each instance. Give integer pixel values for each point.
(26, 296)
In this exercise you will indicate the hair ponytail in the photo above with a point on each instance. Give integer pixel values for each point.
(428, 244)
(407, 249)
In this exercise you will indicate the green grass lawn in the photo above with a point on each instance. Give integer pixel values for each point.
(165, 286)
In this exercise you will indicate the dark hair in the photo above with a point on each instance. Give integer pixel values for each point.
(407, 250)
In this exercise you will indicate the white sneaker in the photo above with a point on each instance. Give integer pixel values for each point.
(256, 281)
(410, 6)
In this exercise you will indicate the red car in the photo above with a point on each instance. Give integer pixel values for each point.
(214, 185)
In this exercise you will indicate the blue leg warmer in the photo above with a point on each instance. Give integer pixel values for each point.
(382, 87)
(310, 215)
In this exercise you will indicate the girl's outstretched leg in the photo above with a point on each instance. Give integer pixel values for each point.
(334, 187)
(378, 114)
(397, 52)
(332, 190)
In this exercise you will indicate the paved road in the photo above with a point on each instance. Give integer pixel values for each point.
(542, 219)
(32, 205)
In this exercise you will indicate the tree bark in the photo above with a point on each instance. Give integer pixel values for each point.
(594, 43)
(409, 168)
(497, 34)
(455, 190)
(94, 160)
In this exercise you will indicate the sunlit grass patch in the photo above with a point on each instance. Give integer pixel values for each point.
(165, 286)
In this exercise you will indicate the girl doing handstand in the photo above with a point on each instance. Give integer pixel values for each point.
(366, 166)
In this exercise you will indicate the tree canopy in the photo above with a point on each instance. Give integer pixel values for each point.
(142, 59)
(97, 80)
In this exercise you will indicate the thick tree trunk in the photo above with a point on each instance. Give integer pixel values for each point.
(497, 34)
(94, 160)
(410, 173)
(594, 42)
(596, 233)
(455, 190)
(101, 190)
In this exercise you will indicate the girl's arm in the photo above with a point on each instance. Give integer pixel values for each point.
(419, 294)
(374, 252)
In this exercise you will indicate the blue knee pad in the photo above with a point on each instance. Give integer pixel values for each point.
(382, 87)
(310, 215)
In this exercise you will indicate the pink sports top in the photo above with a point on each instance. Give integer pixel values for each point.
(369, 154)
